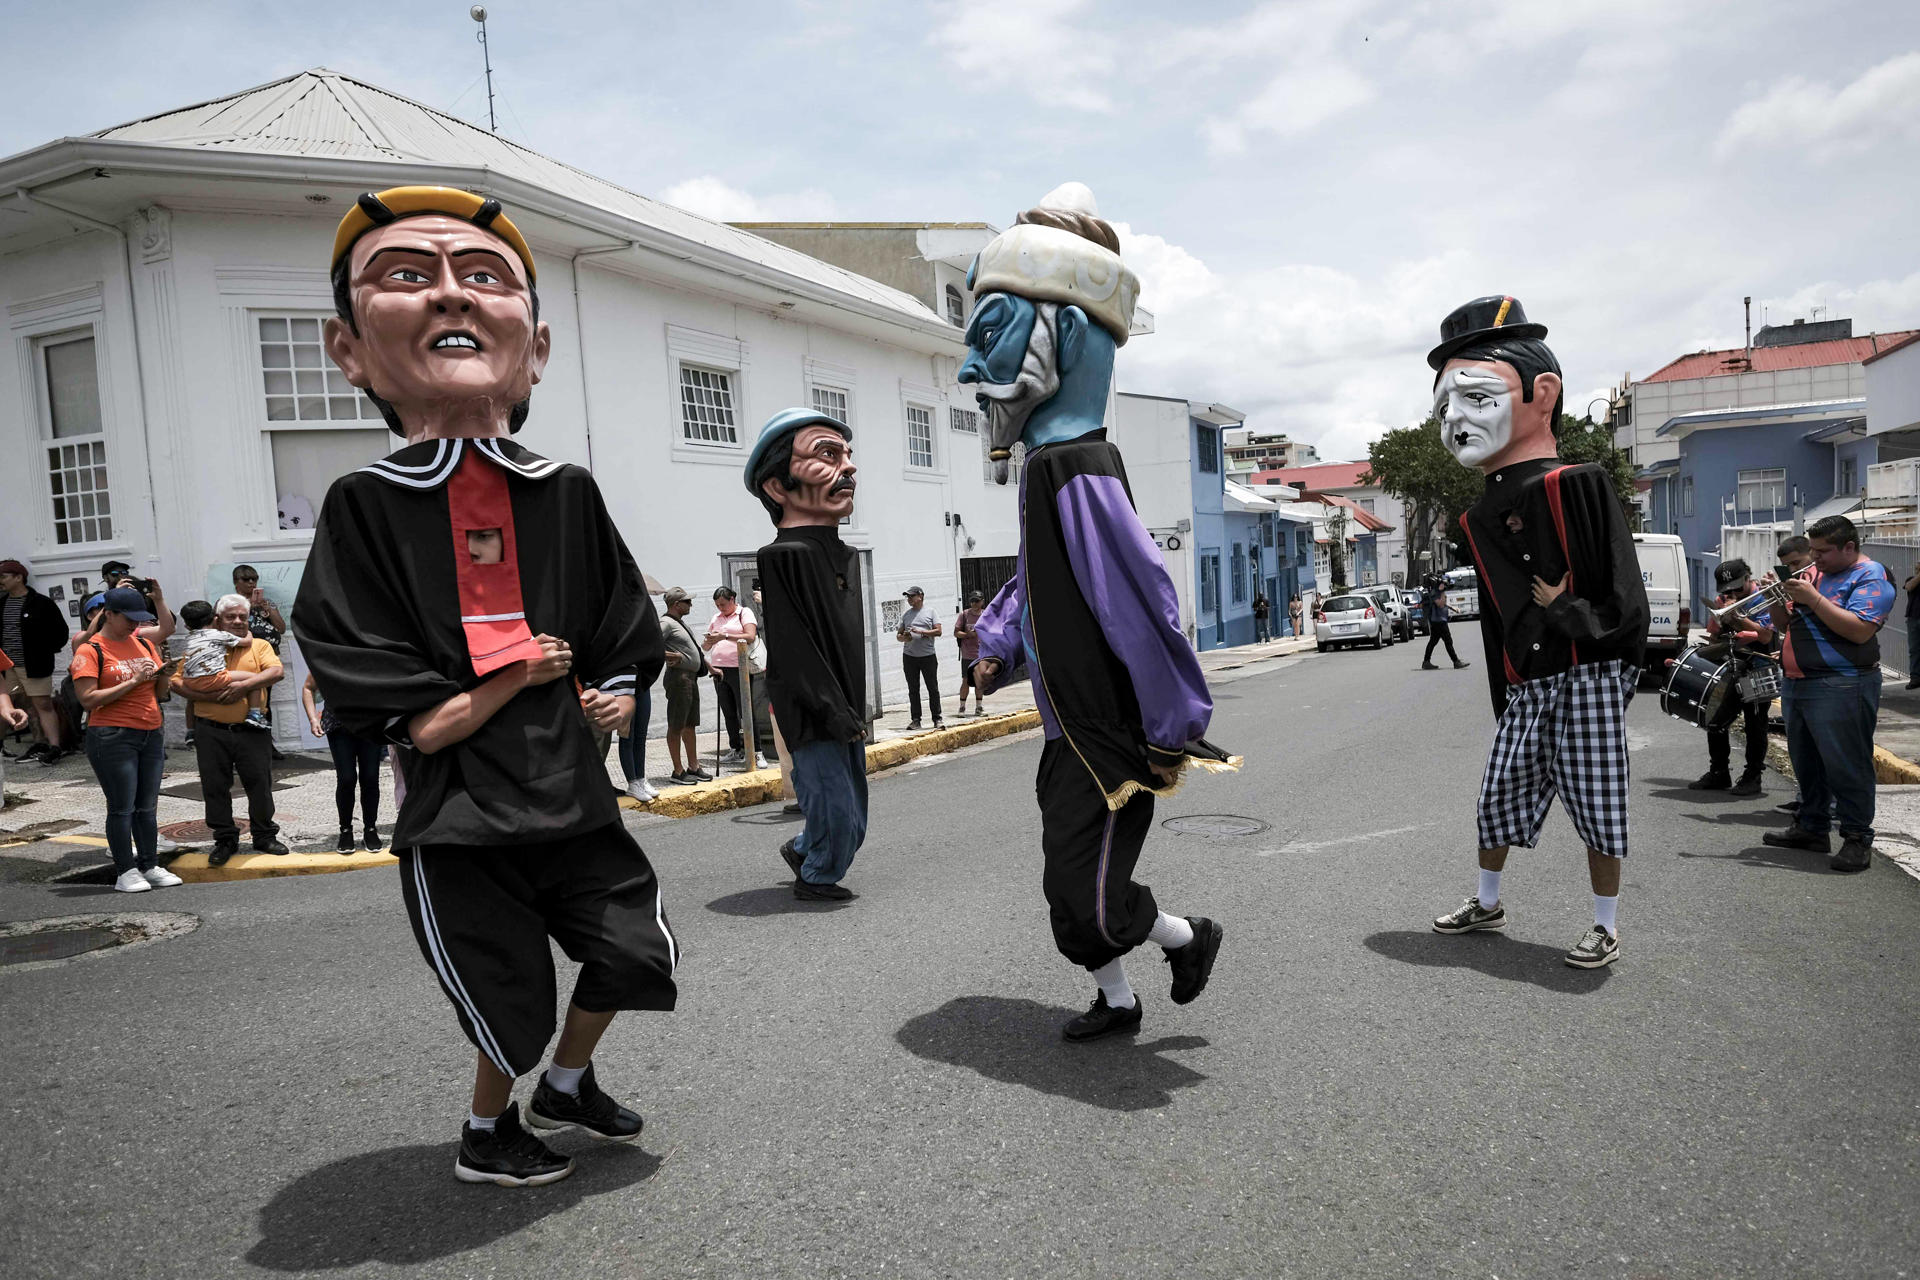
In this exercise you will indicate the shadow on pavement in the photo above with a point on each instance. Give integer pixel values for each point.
(1765, 855)
(1018, 1042)
(402, 1206)
(1493, 954)
(1770, 820)
(776, 900)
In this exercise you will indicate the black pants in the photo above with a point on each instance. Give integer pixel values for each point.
(922, 669)
(1090, 851)
(730, 709)
(227, 749)
(355, 755)
(1440, 633)
(1754, 725)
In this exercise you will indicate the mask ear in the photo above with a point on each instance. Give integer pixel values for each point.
(343, 348)
(1072, 323)
(1546, 389)
(775, 489)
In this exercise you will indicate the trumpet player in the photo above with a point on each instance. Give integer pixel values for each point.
(1734, 579)
(1830, 654)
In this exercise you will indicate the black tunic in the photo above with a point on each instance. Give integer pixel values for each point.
(378, 621)
(816, 664)
(1567, 517)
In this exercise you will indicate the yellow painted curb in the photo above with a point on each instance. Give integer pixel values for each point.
(193, 868)
(1888, 768)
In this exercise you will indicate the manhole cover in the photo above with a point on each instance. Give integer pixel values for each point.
(1216, 825)
(34, 944)
(55, 944)
(768, 818)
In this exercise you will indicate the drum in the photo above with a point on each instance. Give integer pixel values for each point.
(1701, 689)
(1763, 681)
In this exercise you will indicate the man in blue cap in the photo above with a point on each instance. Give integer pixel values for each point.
(801, 469)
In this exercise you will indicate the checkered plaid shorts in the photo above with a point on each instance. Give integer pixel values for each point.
(1562, 735)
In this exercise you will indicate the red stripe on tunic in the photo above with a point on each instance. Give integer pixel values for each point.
(1513, 677)
(477, 499)
(1560, 527)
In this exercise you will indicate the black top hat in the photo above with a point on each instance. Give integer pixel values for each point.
(1483, 318)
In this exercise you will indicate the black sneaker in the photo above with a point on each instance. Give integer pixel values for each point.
(1798, 837)
(508, 1155)
(38, 751)
(1711, 780)
(344, 844)
(793, 808)
(1749, 785)
(821, 892)
(222, 850)
(912, 725)
(1193, 963)
(793, 858)
(270, 845)
(1471, 917)
(938, 723)
(589, 1109)
(1101, 1019)
(1459, 665)
(1854, 855)
(1791, 806)
(371, 838)
(1596, 949)
(1428, 666)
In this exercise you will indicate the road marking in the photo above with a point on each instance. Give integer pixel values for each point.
(1316, 845)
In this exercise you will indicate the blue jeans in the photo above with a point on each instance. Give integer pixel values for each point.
(633, 743)
(1830, 722)
(830, 781)
(1913, 648)
(128, 763)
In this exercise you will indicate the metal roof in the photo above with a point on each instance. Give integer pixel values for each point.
(1322, 475)
(1800, 355)
(323, 113)
(1683, 423)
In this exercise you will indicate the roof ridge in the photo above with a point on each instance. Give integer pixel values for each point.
(205, 102)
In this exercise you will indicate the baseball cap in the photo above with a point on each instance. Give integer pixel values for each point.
(130, 602)
(674, 595)
(913, 591)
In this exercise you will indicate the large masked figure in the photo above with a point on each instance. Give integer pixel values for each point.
(472, 603)
(1090, 612)
(801, 469)
(1567, 627)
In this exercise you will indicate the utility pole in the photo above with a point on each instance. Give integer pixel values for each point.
(479, 14)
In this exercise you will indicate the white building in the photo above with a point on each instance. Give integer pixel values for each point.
(1343, 479)
(169, 403)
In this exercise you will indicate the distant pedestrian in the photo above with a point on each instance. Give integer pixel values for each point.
(1293, 615)
(32, 633)
(264, 620)
(1744, 637)
(731, 622)
(917, 631)
(686, 665)
(354, 759)
(226, 744)
(1912, 587)
(969, 641)
(1261, 631)
(1439, 627)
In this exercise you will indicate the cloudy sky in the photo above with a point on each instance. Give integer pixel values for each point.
(1306, 186)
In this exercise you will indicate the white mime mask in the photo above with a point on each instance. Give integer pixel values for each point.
(1474, 404)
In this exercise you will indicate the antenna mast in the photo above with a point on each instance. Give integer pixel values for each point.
(479, 14)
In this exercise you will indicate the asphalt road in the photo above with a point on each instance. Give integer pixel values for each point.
(878, 1089)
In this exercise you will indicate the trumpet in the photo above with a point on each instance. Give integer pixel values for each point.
(1766, 599)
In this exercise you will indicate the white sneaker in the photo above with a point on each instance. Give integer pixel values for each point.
(164, 845)
(161, 878)
(642, 790)
(132, 882)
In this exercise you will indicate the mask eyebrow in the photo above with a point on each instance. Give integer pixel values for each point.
(399, 248)
(485, 251)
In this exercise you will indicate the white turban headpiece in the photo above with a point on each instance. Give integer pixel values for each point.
(1041, 259)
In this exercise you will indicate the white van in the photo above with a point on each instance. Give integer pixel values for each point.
(1663, 569)
(1463, 594)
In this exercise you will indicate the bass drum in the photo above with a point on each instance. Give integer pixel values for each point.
(1701, 689)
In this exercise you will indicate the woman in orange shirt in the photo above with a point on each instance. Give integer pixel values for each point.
(117, 675)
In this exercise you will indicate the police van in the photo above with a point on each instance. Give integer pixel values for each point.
(1463, 594)
(1663, 570)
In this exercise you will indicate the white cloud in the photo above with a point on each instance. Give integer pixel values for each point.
(1296, 102)
(713, 198)
(1883, 104)
(1874, 307)
(1035, 46)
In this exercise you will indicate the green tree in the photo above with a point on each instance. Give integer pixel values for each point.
(1337, 547)
(1584, 440)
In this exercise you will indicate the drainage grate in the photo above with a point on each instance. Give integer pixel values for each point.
(34, 944)
(1215, 825)
(56, 944)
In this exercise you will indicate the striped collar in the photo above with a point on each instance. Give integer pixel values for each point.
(427, 465)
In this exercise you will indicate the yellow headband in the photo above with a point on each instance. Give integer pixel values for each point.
(377, 209)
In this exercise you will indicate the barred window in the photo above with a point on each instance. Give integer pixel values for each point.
(1208, 446)
(76, 441)
(919, 436)
(956, 308)
(1238, 568)
(706, 406)
(300, 382)
(831, 401)
(965, 421)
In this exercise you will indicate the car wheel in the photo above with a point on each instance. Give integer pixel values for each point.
(1378, 643)
(1323, 648)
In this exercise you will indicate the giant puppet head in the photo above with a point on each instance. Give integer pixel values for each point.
(1053, 302)
(801, 468)
(437, 318)
(1496, 386)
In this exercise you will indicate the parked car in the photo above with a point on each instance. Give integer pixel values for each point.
(1463, 594)
(1416, 609)
(1350, 619)
(1663, 569)
(1386, 597)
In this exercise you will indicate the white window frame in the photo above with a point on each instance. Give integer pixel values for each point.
(1237, 565)
(955, 302)
(693, 348)
(838, 379)
(267, 429)
(1760, 478)
(44, 439)
(928, 400)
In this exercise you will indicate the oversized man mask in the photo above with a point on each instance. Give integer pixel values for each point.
(801, 468)
(1497, 388)
(1053, 303)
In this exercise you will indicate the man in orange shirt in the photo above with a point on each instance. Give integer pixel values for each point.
(226, 743)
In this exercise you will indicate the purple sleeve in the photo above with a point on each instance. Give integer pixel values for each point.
(999, 627)
(1125, 583)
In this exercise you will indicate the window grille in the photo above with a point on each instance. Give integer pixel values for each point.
(919, 436)
(832, 402)
(77, 446)
(1209, 449)
(956, 308)
(1762, 489)
(706, 406)
(965, 421)
(1238, 565)
(300, 382)
(1210, 582)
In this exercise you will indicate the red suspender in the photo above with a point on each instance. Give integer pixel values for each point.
(491, 611)
(1513, 677)
(1560, 527)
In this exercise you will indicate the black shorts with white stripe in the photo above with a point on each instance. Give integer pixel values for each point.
(1562, 735)
(482, 915)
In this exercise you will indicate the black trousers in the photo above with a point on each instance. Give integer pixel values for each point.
(1754, 725)
(925, 669)
(354, 755)
(1440, 633)
(1090, 851)
(730, 709)
(224, 750)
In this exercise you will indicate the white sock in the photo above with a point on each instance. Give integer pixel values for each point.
(1170, 932)
(565, 1079)
(483, 1123)
(1489, 888)
(1112, 977)
(1604, 911)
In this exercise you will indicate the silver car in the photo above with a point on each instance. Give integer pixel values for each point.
(1349, 619)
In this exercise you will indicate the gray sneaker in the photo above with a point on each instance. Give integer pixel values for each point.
(1596, 949)
(1471, 917)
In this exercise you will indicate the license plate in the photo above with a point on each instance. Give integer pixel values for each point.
(1346, 628)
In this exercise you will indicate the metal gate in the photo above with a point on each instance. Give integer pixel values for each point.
(741, 571)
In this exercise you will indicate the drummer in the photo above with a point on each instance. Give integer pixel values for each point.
(1734, 581)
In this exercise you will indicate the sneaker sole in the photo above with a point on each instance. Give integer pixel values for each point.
(538, 1121)
(465, 1174)
(142, 887)
(1599, 963)
(1216, 934)
(1490, 926)
(1129, 1029)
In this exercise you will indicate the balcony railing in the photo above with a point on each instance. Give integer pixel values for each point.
(1894, 483)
